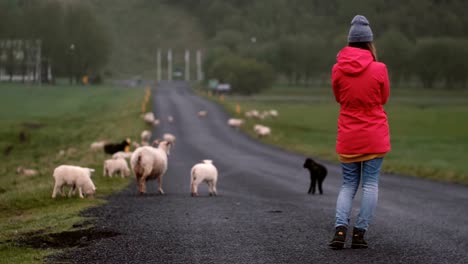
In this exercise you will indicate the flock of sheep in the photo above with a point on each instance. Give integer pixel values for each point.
(149, 160)
(260, 130)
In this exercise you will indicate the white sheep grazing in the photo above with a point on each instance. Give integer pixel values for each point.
(204, 172)
(262, 131)
(112, 166)
(77, 177)
(145, 136)
(202, 113)
(169, 138)
(122, 155)
(150, 163)
(274, 113)
(98, 145)
(234, 122)
(149, 118)
(26, 172)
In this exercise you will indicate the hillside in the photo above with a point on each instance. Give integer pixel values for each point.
(139, 27)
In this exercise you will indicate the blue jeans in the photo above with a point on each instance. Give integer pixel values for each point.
(370, 171)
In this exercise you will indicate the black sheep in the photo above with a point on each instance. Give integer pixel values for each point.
(318, 173)
(111, 148)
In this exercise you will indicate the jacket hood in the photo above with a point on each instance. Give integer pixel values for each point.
(353, 61)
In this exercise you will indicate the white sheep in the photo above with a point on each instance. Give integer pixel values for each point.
(262, 131)
(149, 118)
(204, 172)
(75, 176)
(234, 122)
(156, 122)
(122, 155)
(145, 136)
(150, 163)
(26, 172)
(273, 113)
(202, 113)
(112, 166)
(169, 138)
(98, 145)
(170, 119)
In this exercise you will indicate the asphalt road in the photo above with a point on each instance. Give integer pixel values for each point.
(263, 214)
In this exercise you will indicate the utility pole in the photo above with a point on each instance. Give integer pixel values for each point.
(187, 65)
(158, 65)
(199, 66)
(169, 65)
(38, 61)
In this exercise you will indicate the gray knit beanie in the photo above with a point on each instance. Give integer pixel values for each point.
(360, 30)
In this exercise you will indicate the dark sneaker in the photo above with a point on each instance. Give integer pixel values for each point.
(339, 239)
(358, 238)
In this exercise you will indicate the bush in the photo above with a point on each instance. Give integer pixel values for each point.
(246, 76)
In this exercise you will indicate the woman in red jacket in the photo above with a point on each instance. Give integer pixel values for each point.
(361, 87)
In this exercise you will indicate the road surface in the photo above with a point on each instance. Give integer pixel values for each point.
(263, 214)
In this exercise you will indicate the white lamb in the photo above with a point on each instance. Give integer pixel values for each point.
(262, 131)
(204, 172)
(202, 113)
(98, 145)
(156, 122)
(170, 119)
(122, 155)
(149, 118)
(145, 136)
(234, 122)
(169, 138)
(274, 113)
(150, 163)
(26, 172)
(76, 177)
(112, 166)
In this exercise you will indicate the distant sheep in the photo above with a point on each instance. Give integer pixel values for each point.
(76, 177)
(262, 131)
(26, 172)
(170, 119)
(145, 136)
(156, 122)
(202, 113)
(204, 172)
(169, 138)
(234, 122)
(111, 148)
(150, 163)
(112, 166)
(274, 113)
(149, 118)
(96, 146)
(122, 155)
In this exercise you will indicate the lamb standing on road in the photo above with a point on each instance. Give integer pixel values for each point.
(75, 176)
(169, 138)
(112, 166)
(145, 136)
(204, 172)
(234, 122)
(150, 163)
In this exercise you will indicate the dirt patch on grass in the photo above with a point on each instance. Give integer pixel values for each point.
(77, 238)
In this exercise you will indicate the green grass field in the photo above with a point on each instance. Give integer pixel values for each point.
(54, 118)
(429, 132)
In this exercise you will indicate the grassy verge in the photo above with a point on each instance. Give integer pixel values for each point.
(36, 123)
(429, 132)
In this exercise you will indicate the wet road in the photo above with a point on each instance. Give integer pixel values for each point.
(263, 214)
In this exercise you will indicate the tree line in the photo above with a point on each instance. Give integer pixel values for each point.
(73, 40)
(423, 42)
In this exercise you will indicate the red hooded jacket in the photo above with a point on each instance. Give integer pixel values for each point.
(361, 87)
